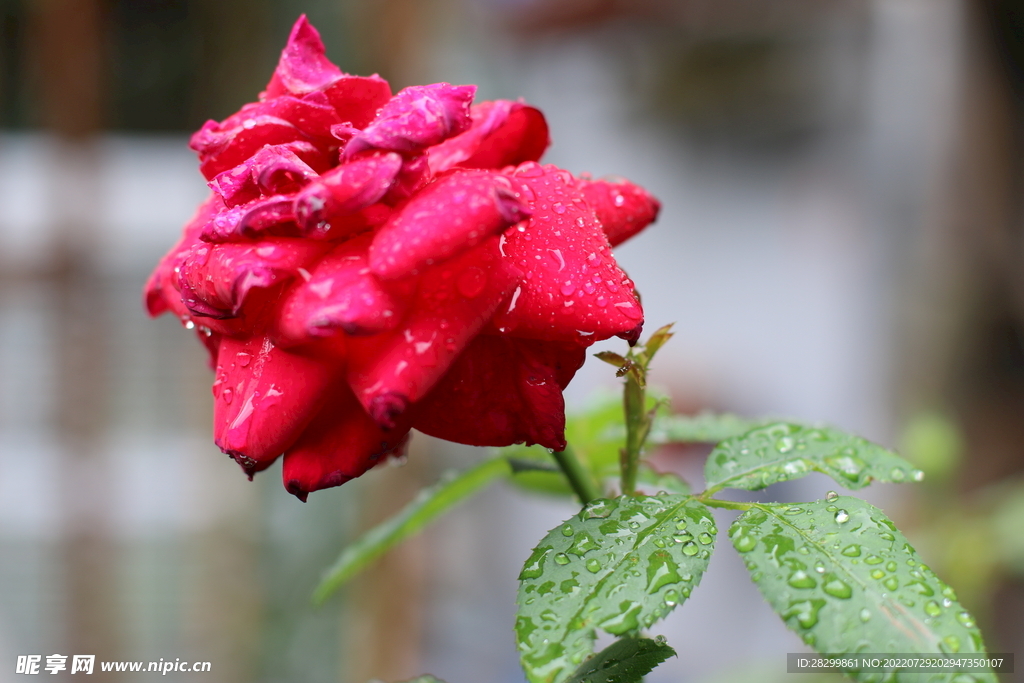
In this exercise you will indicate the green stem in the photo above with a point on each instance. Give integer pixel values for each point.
(636, 432)
(577, 476)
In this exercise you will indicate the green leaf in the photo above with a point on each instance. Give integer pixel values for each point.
(781, 451)
(657, 340)
(661, 481)
(627, 660)
(845, 579)
(429, 504)
(618, 565)
(611, 358)
(703, 427)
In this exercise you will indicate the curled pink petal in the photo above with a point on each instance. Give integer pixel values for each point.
(312, 114)
(273, 215)
(303, 66)
(449, 216)
(215, 280)
(357, 99)
(623, 208)
(344, 191)
(576, 291)
(451, 304)
(236, 185)
(417, 117)
(221, 147)
(502, 391)
(340, 444)
(278, 170)
(272, 170)
(342, 295)
(503, 133)
(161, 293)
(264, 397)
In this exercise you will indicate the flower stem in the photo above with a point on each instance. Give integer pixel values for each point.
(578, 477)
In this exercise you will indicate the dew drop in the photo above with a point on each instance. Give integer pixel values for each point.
(597, 509)
(831, 496)
(690, 549)
(745, 544)
(562, 558)
(965, 618)
(891, 583)
(801, 579)
(897, 474)
(567, 530)
(705, 538)
(837, 588)
(852, 550)
(950, 642)
(842, 517)
(932, 609)
(865, 614)
(593, 566)
(917, 475)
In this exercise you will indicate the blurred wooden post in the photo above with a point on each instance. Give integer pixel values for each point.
(67, 38)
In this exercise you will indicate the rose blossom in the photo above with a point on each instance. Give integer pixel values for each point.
(369, 263)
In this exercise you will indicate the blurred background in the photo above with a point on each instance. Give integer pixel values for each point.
(842, 240)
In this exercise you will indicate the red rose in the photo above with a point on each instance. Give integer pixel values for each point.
(370, 263)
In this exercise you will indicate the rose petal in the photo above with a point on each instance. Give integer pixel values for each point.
(272, 215)
(449, 216)
(342, 294)
(417, 117)
(221, 147)
(320, 208)
(264, 397)
(340, 444)
(273, 169)
(357, 99)
(313, 114)
(451, 305)
(503, 133)
(160, 294)
(215, 280)
(624, 209)
(303, 66)
(500, 391)
(575, 291)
